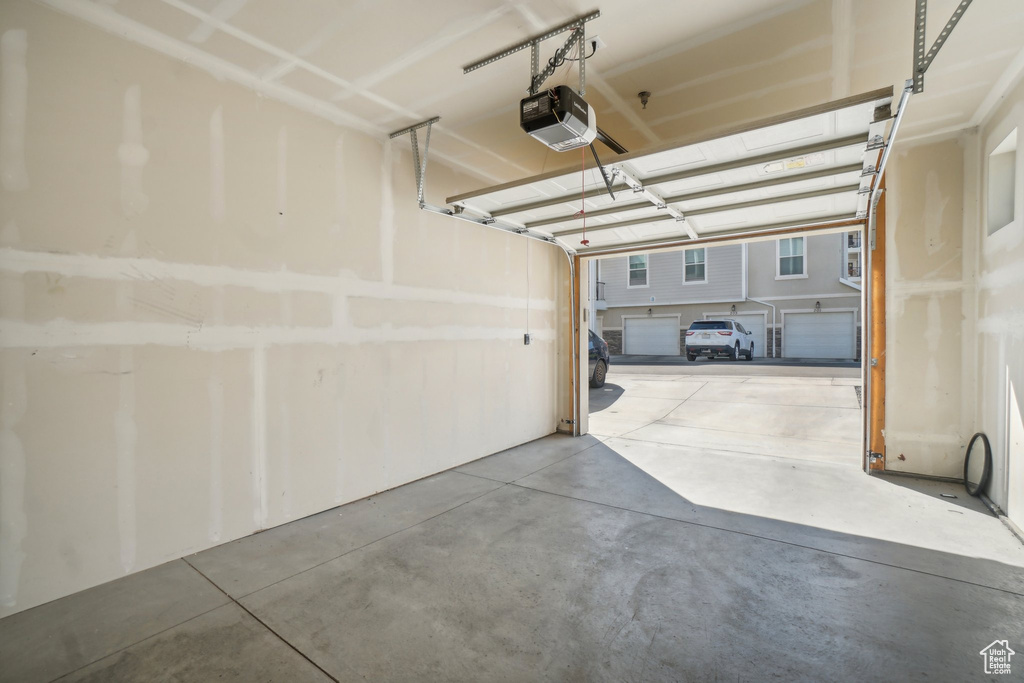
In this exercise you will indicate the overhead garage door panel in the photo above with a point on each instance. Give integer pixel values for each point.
(651, 336)
(829, 335)
(807, 170)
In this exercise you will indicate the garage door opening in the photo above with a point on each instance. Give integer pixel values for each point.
(798, 396)
(787, 197)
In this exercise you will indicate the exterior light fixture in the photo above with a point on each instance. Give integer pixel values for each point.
(817, 307)
(733, 309)
(649, 312)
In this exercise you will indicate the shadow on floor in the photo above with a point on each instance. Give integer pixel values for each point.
(604, 397)
(559, 559)
(935, 488)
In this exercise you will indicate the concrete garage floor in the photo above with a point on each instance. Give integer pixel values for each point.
(599, 558)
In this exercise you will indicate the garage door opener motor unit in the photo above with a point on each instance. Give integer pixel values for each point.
(559, 118)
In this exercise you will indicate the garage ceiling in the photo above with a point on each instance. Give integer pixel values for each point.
(810, 169)
(380, 65)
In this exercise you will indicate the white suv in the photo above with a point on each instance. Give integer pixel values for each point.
(718, 337)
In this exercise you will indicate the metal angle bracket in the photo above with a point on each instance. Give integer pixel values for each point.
(922, 59)
(419, 164)
(583, 58)
(872, 230)
(537, 76)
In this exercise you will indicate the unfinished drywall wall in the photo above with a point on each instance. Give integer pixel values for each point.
(219, 314)
(925, 428)
(955, 335)
(999, 311)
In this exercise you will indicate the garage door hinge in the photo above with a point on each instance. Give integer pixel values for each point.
(877, 142)
(875, 457)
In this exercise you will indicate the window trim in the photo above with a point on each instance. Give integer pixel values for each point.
(990, 187)
(778, 259)
(647, 272)
(703, 262)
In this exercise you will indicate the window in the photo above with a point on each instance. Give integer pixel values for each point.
(637, 271)
(708, 325)
(851, 251)
(791, 258)
(693, 266)
(1002, 163)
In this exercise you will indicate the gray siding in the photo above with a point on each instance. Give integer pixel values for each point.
(824, 265)
(723, 267)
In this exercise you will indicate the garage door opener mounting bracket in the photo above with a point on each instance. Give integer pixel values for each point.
(922, 59)
(537, 76)
(419, 162)
(419, 166)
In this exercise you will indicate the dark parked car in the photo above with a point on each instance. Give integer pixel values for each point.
(599, 360)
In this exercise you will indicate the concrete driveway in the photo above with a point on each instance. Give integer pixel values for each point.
(779, 410)
(746, 446)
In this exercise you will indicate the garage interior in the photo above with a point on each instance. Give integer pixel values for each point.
(286, 396)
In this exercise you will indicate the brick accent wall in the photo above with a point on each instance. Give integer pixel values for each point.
(614, 339)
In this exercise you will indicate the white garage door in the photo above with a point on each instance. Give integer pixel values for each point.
(819, 335)
(651, 336)
(754, 324)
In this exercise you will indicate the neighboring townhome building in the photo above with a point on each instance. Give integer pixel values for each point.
(800, 297)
